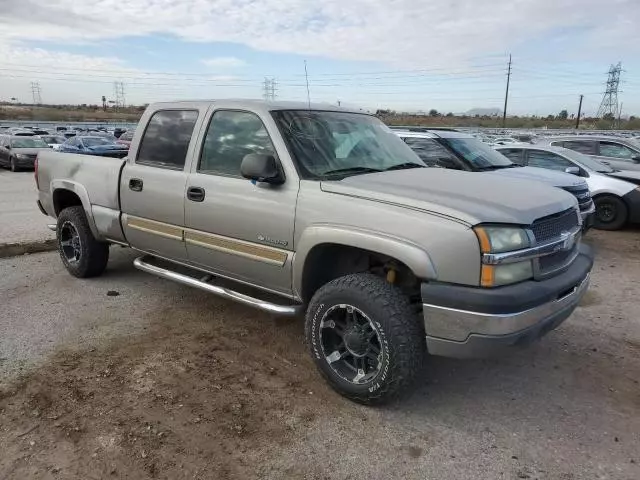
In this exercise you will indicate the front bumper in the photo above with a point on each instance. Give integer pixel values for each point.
(632, 200)
(25, 162)
(468, 322)
(588, 218)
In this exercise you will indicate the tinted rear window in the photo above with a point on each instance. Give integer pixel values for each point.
(586, 147)
(166, 139)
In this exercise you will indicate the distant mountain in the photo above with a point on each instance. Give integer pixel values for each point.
(484, 111)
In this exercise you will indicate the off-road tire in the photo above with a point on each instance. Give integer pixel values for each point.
(615, 205)
(402, 335)
(93, 254)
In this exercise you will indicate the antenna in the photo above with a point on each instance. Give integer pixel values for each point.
(306, 77)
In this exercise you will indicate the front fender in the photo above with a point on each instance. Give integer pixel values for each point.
(82, 194)
(412, 255)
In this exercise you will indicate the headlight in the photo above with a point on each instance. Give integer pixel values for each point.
(495, 240)
(497, 275)
(502, 239)
(22, 156)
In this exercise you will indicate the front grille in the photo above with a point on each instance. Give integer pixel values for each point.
(582, 195)
(550, 228)
(555, 261)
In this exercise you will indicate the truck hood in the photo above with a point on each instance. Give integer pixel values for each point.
(628, 175)
(549, 177)
(468, 197)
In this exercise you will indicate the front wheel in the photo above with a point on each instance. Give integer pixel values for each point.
(365, 338)
(611, 213)
(82, 255)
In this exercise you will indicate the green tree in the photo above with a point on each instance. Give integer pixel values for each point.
(563, 115)
(433, 112)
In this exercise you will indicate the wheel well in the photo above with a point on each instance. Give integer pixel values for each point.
(327, 262)
(64, 199)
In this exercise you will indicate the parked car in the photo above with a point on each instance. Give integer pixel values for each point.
(93, 145)
(617, 201)
(460, 151)
(18, 152)
(53, 140)
(126, 138)
(505, 140)
(617, 152)
(326, 211)
(19, 132)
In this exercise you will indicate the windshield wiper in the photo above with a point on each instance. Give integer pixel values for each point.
(405, 166)
(349, 170)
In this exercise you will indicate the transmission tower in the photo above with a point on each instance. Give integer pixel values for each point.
(269, 88)
(36, 93)
(118, 94)
(609, 105)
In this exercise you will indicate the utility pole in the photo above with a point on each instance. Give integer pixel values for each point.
(506, 95)
(609, 106)
(579, 112)
(35, 93)
(620, 114)
(269, 88)
(306, 78)
(118, 91)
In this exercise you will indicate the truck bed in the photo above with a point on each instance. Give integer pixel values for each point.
(95, 180)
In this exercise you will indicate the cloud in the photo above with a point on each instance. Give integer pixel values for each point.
(401, 32)
(223, 62)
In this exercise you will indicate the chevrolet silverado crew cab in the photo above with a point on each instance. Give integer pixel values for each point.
(294, 208)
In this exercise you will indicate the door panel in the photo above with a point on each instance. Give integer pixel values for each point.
(236, 227)
(154, 215)
(250, 227)
(152, 190)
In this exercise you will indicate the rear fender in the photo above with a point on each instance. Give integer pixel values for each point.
(82, 194)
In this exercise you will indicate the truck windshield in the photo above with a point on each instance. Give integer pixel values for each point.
(477, 155)
(333, 145)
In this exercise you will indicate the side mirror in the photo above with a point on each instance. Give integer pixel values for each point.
(261, 168)
(635, 159)
(572, 170)
(8, 147)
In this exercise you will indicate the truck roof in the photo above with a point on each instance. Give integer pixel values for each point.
(256, 104)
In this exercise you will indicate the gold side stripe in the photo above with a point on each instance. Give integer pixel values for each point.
(157, 228)
(236, 247)
(262, 253)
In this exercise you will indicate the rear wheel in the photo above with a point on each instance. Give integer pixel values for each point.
(611, 212)
(82, 255)
(365, 338)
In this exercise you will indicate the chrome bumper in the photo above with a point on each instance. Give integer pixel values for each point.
(466, 334)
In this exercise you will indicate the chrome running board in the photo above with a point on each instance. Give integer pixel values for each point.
(142, 263)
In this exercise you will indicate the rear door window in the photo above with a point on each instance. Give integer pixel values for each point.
(513, 154)
(166, 139)
(588, 147)
(548, 160)
(616, 150)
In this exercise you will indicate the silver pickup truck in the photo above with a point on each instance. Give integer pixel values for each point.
(294, 208)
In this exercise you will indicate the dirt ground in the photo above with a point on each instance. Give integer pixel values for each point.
(213, 390)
